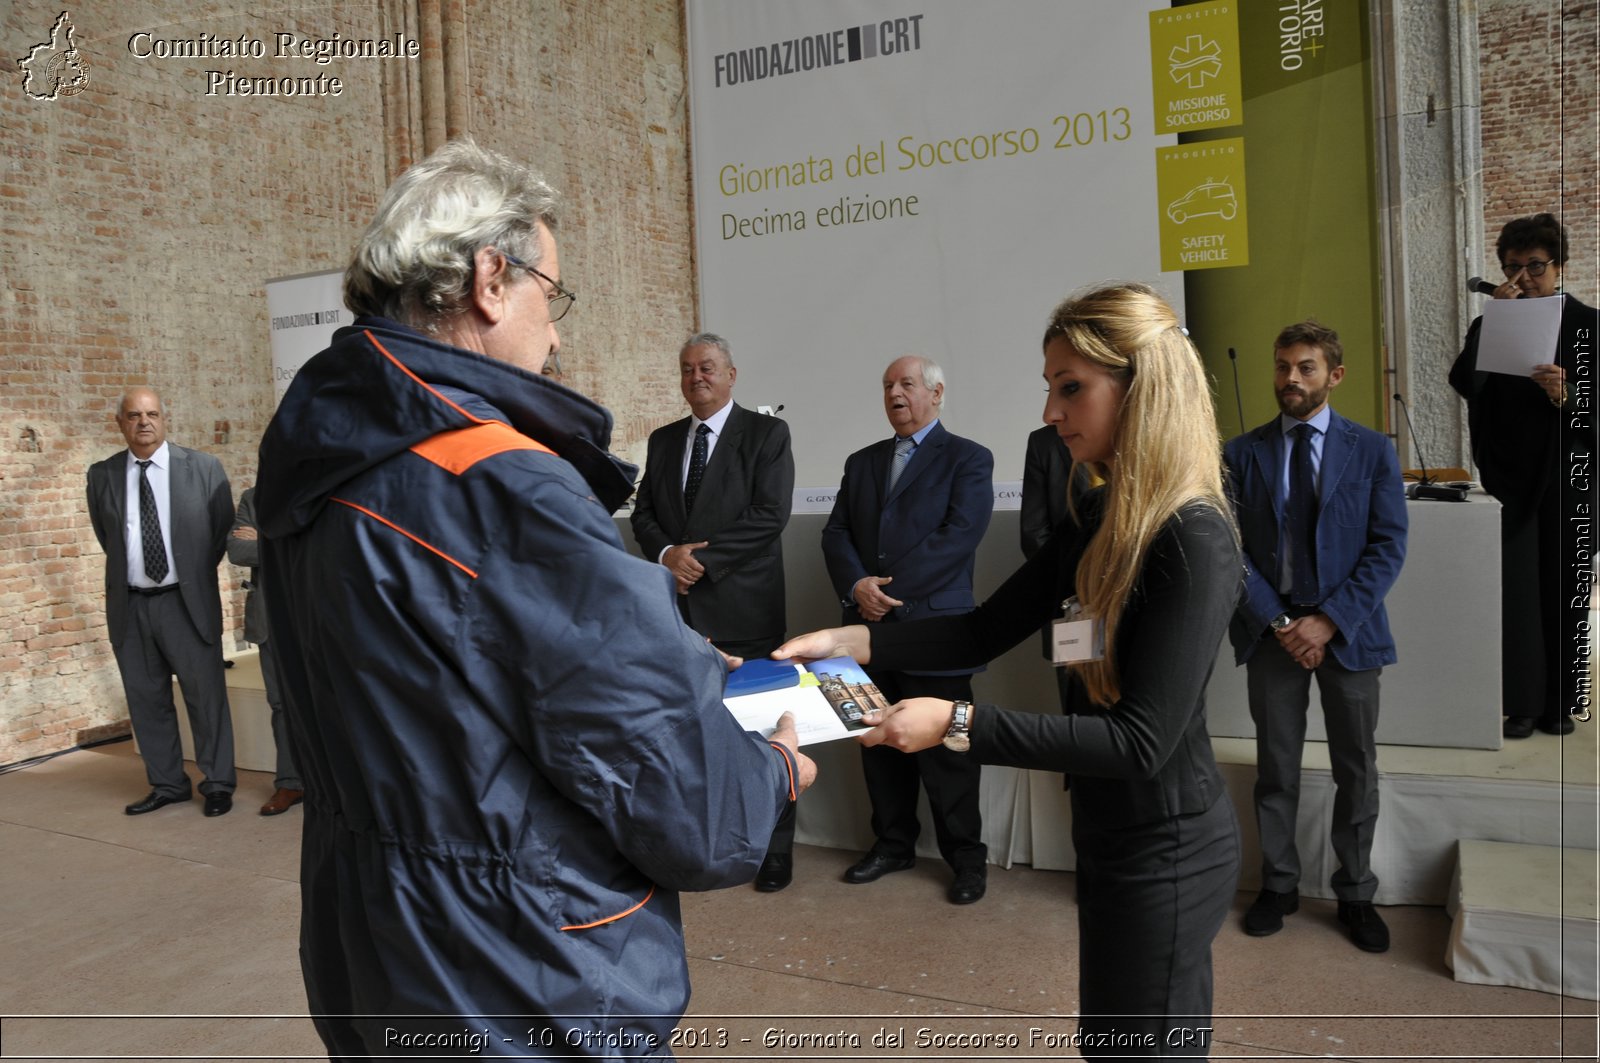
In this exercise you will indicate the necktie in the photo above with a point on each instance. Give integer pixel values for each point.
(902, 457)
(155, 552)
(1303, 517)
(697, 466)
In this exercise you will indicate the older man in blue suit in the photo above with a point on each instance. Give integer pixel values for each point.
(1322, 517)
(900, 545)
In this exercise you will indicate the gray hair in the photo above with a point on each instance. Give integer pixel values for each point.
(708, 339)
(415, 262)
(128, 392)
(932, 375)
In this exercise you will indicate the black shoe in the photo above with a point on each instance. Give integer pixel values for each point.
(1562, 726)
(1518, 726)
(219, 804)
(969, 886)
(874, 865)
(152, 801)
(1266, 914)
(1366, 926)
(777, 871)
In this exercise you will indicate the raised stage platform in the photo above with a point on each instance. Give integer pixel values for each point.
(1506, 838)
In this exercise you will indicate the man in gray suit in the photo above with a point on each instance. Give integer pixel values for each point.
(162, 514)
(712, 507)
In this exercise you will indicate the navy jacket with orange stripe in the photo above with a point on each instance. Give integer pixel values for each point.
(515, 752)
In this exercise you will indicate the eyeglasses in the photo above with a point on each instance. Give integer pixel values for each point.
(1534, 267)
(560, 299)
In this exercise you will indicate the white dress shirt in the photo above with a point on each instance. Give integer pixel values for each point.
(133, 533)
(716, 422)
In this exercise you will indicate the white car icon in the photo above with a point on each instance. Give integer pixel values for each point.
(1211, 197)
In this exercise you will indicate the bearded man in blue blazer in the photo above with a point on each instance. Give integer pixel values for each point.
(900, 545)
(1322, 518)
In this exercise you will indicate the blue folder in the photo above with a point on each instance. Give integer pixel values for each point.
(760, 674)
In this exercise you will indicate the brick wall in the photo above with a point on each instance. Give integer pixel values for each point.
(1539, 70)
(140, 218)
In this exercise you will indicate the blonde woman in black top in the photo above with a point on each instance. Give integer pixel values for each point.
(1153, 554)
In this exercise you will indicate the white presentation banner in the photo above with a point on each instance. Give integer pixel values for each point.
(876, 179)
(302, 312)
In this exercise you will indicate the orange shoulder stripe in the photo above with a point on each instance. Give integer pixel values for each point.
(613, 918)
(391, 524)
(461, 448)
(420, 382)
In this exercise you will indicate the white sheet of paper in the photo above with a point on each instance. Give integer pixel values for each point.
(814, 718)
(1519, 334)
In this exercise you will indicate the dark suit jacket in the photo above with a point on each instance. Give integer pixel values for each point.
(201, 513)
(1520, 442)
(1047, 482)
(925, 533)
(1361, 537)
(247, 554)
(741, 510)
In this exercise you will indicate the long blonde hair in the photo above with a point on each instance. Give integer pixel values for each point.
(1167, 451)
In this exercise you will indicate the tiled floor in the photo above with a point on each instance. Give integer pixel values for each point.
(145, 920)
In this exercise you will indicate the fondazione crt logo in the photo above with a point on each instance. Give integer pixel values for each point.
(54, 68)
(814, 51)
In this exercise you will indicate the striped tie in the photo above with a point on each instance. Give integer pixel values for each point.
(902, 458)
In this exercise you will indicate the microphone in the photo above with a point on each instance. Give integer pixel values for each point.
(1427, 489)
(1233, 359)
(1483, 287)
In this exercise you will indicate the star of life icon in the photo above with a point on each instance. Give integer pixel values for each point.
(1195, 61)
(55, 67)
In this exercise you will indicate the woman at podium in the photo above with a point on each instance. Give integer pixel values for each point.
(1533, 441)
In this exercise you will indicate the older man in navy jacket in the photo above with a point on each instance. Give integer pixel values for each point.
(1322, 517)
(515, 752)
(900, 545)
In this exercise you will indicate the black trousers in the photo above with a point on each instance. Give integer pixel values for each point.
(951, 780)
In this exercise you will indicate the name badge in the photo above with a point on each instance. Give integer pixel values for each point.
(1077, 637)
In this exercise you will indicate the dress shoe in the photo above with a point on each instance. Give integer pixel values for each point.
(153, 801)
(777, 871)
(969, 886)
(1562, 726)
(219, 804)
(874, 865)
(1266, 914)
(1366, 926)
(1518, 726)
(282, 801)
